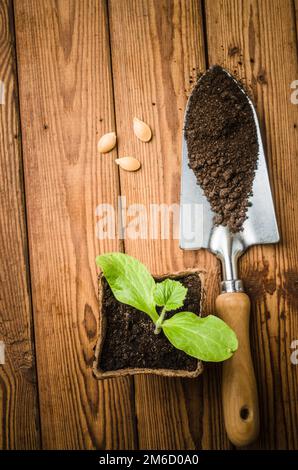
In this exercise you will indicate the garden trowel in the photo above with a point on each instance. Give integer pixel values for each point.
(197, 230)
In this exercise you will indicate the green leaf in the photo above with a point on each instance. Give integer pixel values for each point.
(209, 339)
(169, 294)
(130, 281)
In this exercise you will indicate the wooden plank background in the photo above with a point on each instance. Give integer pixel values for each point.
(170, 51)
(83, 68)
(262, 36)
(66, 103)
(19, 420)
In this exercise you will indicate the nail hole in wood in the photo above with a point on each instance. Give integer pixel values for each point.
(244, 413)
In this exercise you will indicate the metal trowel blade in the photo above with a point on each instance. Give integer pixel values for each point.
(196, 217)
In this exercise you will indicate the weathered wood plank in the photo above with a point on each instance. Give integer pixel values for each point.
(66, 104)
(296, 16)
(257, 40)
(152, 74)
(19, 421)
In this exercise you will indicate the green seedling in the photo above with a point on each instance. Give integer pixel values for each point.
(208, 338)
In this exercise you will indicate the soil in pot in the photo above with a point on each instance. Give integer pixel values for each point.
(130, 342)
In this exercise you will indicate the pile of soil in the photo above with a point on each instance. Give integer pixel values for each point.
(130, 341)
(222, 145)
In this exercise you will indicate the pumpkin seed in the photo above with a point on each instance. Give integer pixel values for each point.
(142, 130)
(128, 163)
(107, 142)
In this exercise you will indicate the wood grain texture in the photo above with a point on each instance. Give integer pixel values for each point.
(295, 7)
(66, 104)
(66, 99)
(152, 76)
(19, 421)
(257, 41)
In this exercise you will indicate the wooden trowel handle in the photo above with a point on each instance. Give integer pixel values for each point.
(239, 389)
